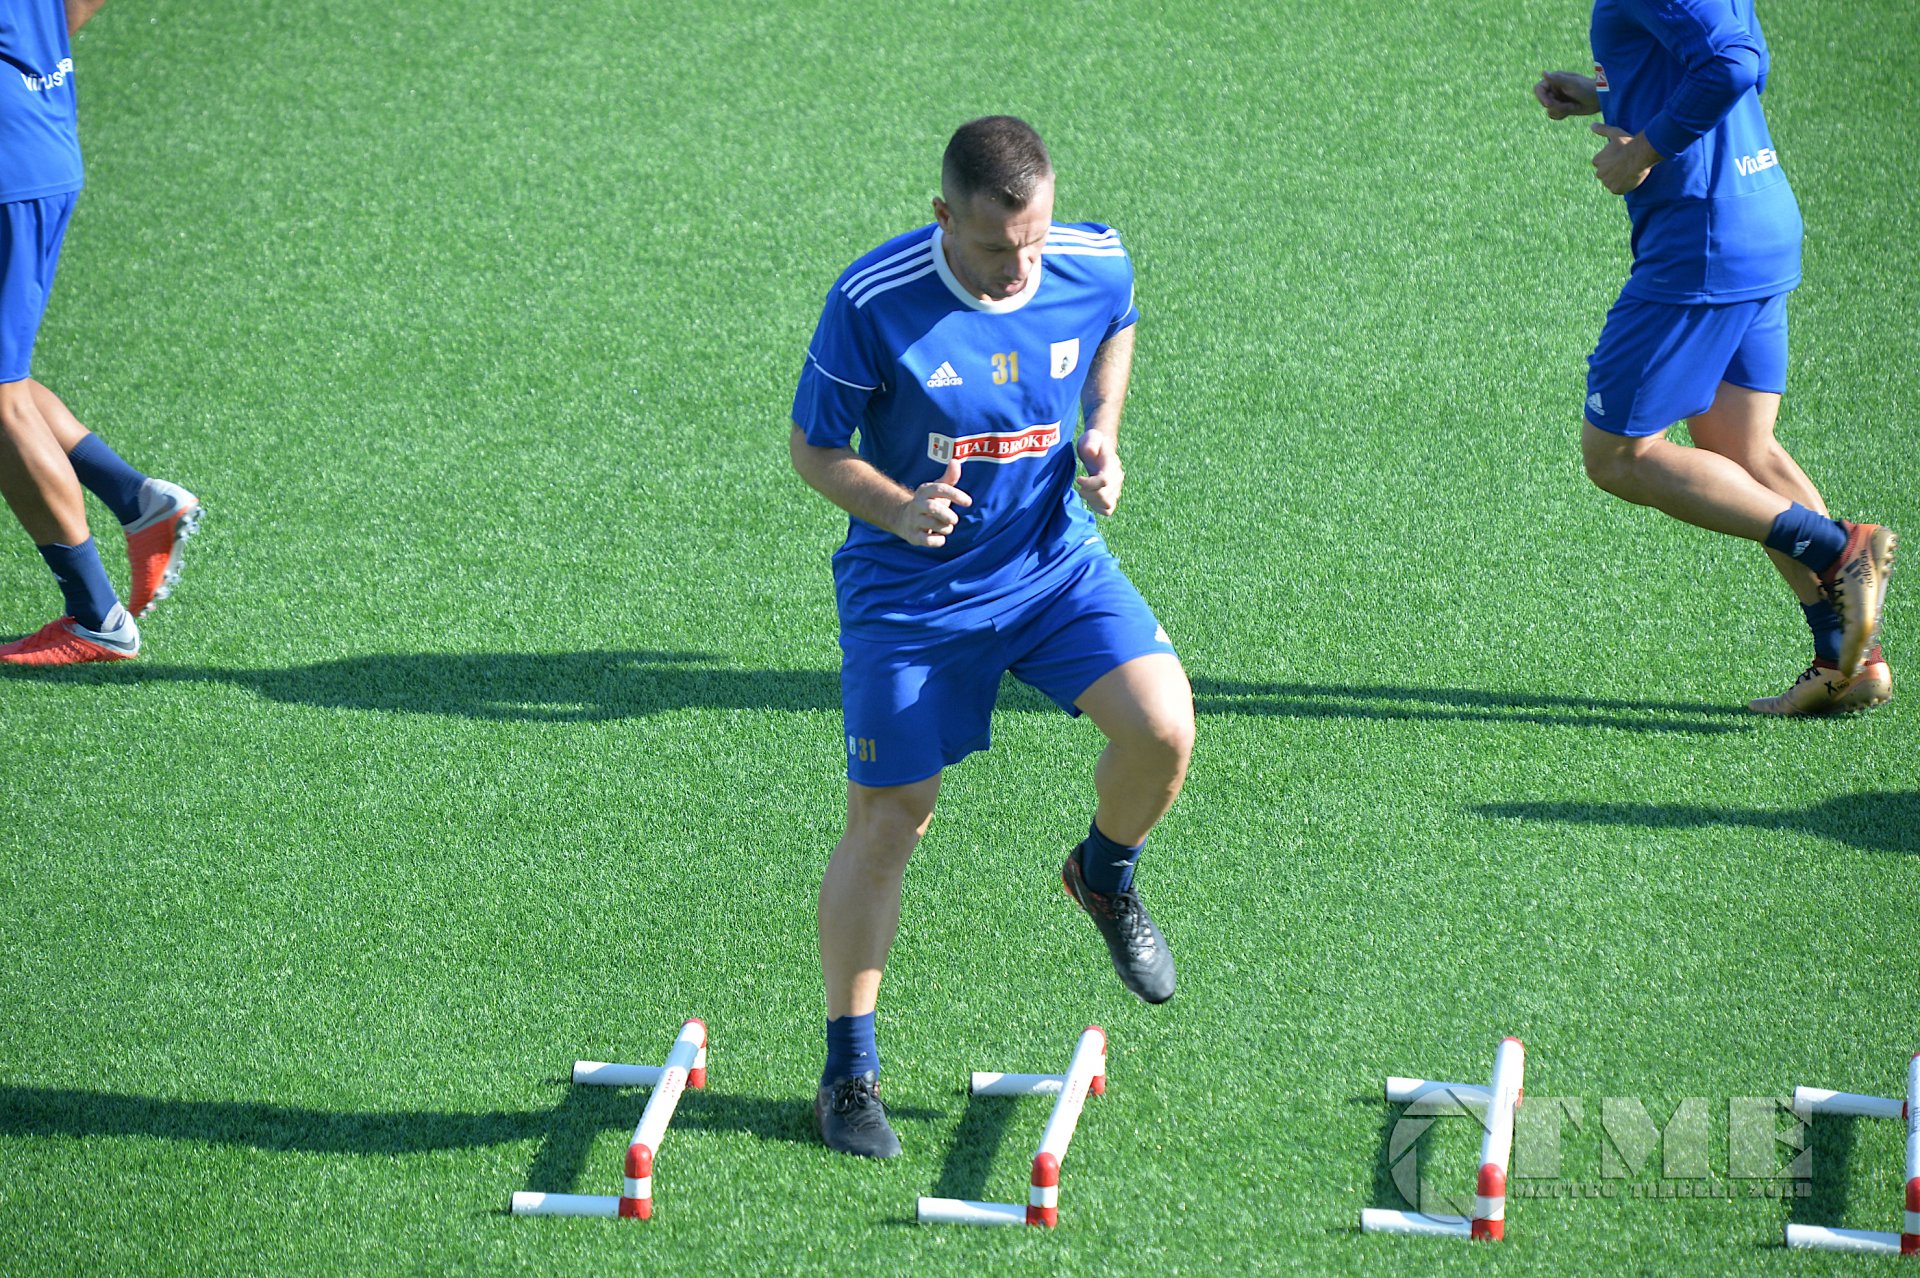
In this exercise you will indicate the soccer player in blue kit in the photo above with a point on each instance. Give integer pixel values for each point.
(46, 456)
(1700, 329)
(963, 355)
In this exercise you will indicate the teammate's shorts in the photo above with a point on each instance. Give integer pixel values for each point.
(913, 708)
(30, 236)
(1658, 362)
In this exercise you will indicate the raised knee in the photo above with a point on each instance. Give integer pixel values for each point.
(1608, 469)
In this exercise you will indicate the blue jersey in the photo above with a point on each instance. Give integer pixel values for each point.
(1715, 221)
(922, 372)
(39, 135)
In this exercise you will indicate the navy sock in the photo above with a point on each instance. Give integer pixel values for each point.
(83, 581)
(1811, 538)
(1105, 865)
(107, 477)
(850, 1048)
(1825, 624)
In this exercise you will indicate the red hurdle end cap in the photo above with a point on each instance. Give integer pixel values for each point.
(696, 1078)
(1045, 1217)
(639, 1161)
(1099, 1085)
(1095, 1029)
(1046, 1170)
(636, 1208)
(1913, 1194)
(694, 1020)
(1489, 1230)
(1492, 1182)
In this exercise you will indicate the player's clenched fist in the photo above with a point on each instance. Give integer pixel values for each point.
(1100, 486)
(929, 517)
(1563, 94)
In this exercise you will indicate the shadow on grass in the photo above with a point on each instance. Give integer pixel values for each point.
(1878, 821)
(1830, 1137)
(566, 1132)
(1366, 701)
(555, 687)
(973, 1147)
(565, 687)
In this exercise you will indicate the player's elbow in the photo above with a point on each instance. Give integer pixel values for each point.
(1737, 67)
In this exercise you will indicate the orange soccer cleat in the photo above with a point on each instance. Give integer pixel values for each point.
(68, 643)
(169, 514)
(1856, 583)
(1822, 689)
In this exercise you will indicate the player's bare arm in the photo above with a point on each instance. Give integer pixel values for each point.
(78, 11)
(920, 516)
(1564, 93)
(1101, 400)
(1624, 161)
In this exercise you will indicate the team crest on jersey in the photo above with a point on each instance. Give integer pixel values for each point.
(1600, 78)
(994, 446)
(1065, 356)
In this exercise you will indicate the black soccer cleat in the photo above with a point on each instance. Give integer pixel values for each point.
(1138, 950)
(852, 1120)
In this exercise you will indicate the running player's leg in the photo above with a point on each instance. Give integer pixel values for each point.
(1740, 427)
(1094, 647)
(1145, 709)
(155, 516)
(36, 478)
(859, 915)
(912, 708)
(1656, 364)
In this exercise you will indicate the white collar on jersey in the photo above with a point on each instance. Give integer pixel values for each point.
(1001, 307)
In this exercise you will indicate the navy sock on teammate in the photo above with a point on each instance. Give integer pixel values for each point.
(1825, 624)
(850, 1048)
(1105, 865)
(1807, 536)
(108, 477)
(83, 581)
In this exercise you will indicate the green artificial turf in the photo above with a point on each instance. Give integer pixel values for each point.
(495, 722)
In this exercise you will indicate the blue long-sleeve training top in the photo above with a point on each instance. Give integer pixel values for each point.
(1715, 221)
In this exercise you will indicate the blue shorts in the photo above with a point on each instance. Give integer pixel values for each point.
(30, 236)
(1659, 362)
(913, 708)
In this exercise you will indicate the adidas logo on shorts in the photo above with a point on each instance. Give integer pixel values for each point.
(944, 376)
(1593, 405)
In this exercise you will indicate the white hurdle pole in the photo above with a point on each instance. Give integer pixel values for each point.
(1381, 1220)
(1818, 1100)
(1490, 1190)
(688, 1048)
(1403, 1091)
(529, 1204)
(1499, 1098)
(1910, 1231)
(1087, 1073)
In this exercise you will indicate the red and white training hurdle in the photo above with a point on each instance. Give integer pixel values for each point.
(686, 1067)
(1818, 1100)
(1499, 1099)
(1086, 1073)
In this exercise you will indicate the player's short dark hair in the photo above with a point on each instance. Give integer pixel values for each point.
(997, 156)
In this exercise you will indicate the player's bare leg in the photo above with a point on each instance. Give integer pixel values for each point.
(1694, 485)
(1702, 487)
(1145, 708)
(35, 476)
(1740, 427)
(156, 516)
(859, 915)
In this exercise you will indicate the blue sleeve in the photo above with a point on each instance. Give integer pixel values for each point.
(1723, 59)
(840, 376)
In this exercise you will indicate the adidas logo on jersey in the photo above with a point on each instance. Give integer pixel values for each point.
(1593, 405)
(944, 376)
